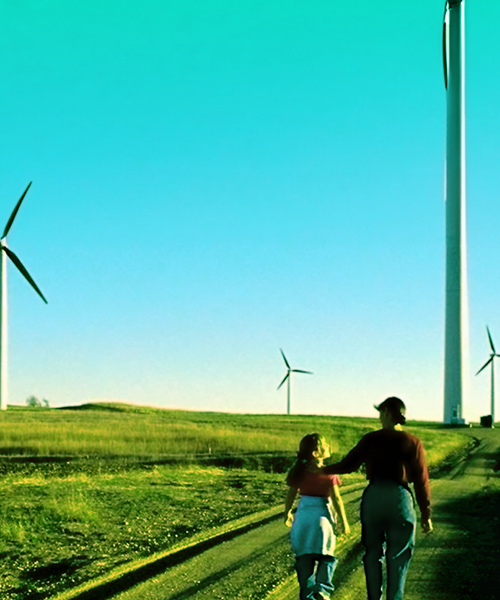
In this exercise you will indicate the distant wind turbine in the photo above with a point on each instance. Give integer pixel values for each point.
(491, 361)
(3, 298)
(288, 378)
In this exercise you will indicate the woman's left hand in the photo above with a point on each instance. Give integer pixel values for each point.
(427, 526)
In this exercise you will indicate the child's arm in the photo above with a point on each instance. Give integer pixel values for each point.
(339, 508)
(292, 492)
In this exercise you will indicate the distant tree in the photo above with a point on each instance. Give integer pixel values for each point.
(33, 402)
(45, 403)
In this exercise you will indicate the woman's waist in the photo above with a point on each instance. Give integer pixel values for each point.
(394, 471)
(388, 481)
(306, 500)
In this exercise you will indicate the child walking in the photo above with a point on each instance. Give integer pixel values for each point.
(313, 528)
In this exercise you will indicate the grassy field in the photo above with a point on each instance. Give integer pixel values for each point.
(87, 489)
(122, 430)
(126, 430)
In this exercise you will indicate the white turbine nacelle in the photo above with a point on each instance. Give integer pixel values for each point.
(6, 252)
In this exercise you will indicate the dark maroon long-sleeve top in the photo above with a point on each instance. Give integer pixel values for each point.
(390, 455)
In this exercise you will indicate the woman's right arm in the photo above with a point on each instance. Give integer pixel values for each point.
(290, 498)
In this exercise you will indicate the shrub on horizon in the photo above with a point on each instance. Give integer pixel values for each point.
(34, 402)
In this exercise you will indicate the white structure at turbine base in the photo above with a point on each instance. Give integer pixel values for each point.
(456, 374)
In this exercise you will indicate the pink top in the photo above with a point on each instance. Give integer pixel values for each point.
(317, 484)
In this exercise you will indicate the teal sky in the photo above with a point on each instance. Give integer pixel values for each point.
(215, 180)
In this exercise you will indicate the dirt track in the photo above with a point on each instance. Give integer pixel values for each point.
(245, 567)
(459, 561)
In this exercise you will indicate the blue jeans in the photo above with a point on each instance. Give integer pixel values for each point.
(388, 522)
(315, 574)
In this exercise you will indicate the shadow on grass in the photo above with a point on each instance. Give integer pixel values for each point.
(51, 573)
(348, 562)
(469, 568)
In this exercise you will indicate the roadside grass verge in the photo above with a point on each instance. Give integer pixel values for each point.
(142, 481)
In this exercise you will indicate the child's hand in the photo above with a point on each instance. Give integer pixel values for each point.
(342, 530)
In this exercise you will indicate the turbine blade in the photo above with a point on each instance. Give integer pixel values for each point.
(301, 371)
(284, 358)
(491, 341)
(23, 271)
(284, 379)
(14, 212)
(485, 365)
(445, 45)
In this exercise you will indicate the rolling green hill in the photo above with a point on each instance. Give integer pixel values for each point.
(114, 429)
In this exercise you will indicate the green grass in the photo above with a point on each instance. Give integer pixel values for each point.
(65, 521)
(124, 430)
(114, 429)
(58, 531)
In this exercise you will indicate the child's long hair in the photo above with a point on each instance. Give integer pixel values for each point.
(308, 444)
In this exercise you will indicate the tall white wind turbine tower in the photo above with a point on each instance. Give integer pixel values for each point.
(456, 367)
(6, 252)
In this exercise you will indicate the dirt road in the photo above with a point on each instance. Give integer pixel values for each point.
(245, 567)
(461, 559)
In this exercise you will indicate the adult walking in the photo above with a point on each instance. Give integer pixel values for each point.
(393, 458)
(313, 528)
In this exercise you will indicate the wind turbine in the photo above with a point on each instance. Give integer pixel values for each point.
(6, 252)
(456, 318)
(288, 378)
(491, 361)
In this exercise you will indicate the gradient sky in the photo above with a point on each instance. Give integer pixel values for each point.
(214, 180)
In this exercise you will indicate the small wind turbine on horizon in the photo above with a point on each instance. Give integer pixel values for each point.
(491, 361)
(7, 252)
(288, 378)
